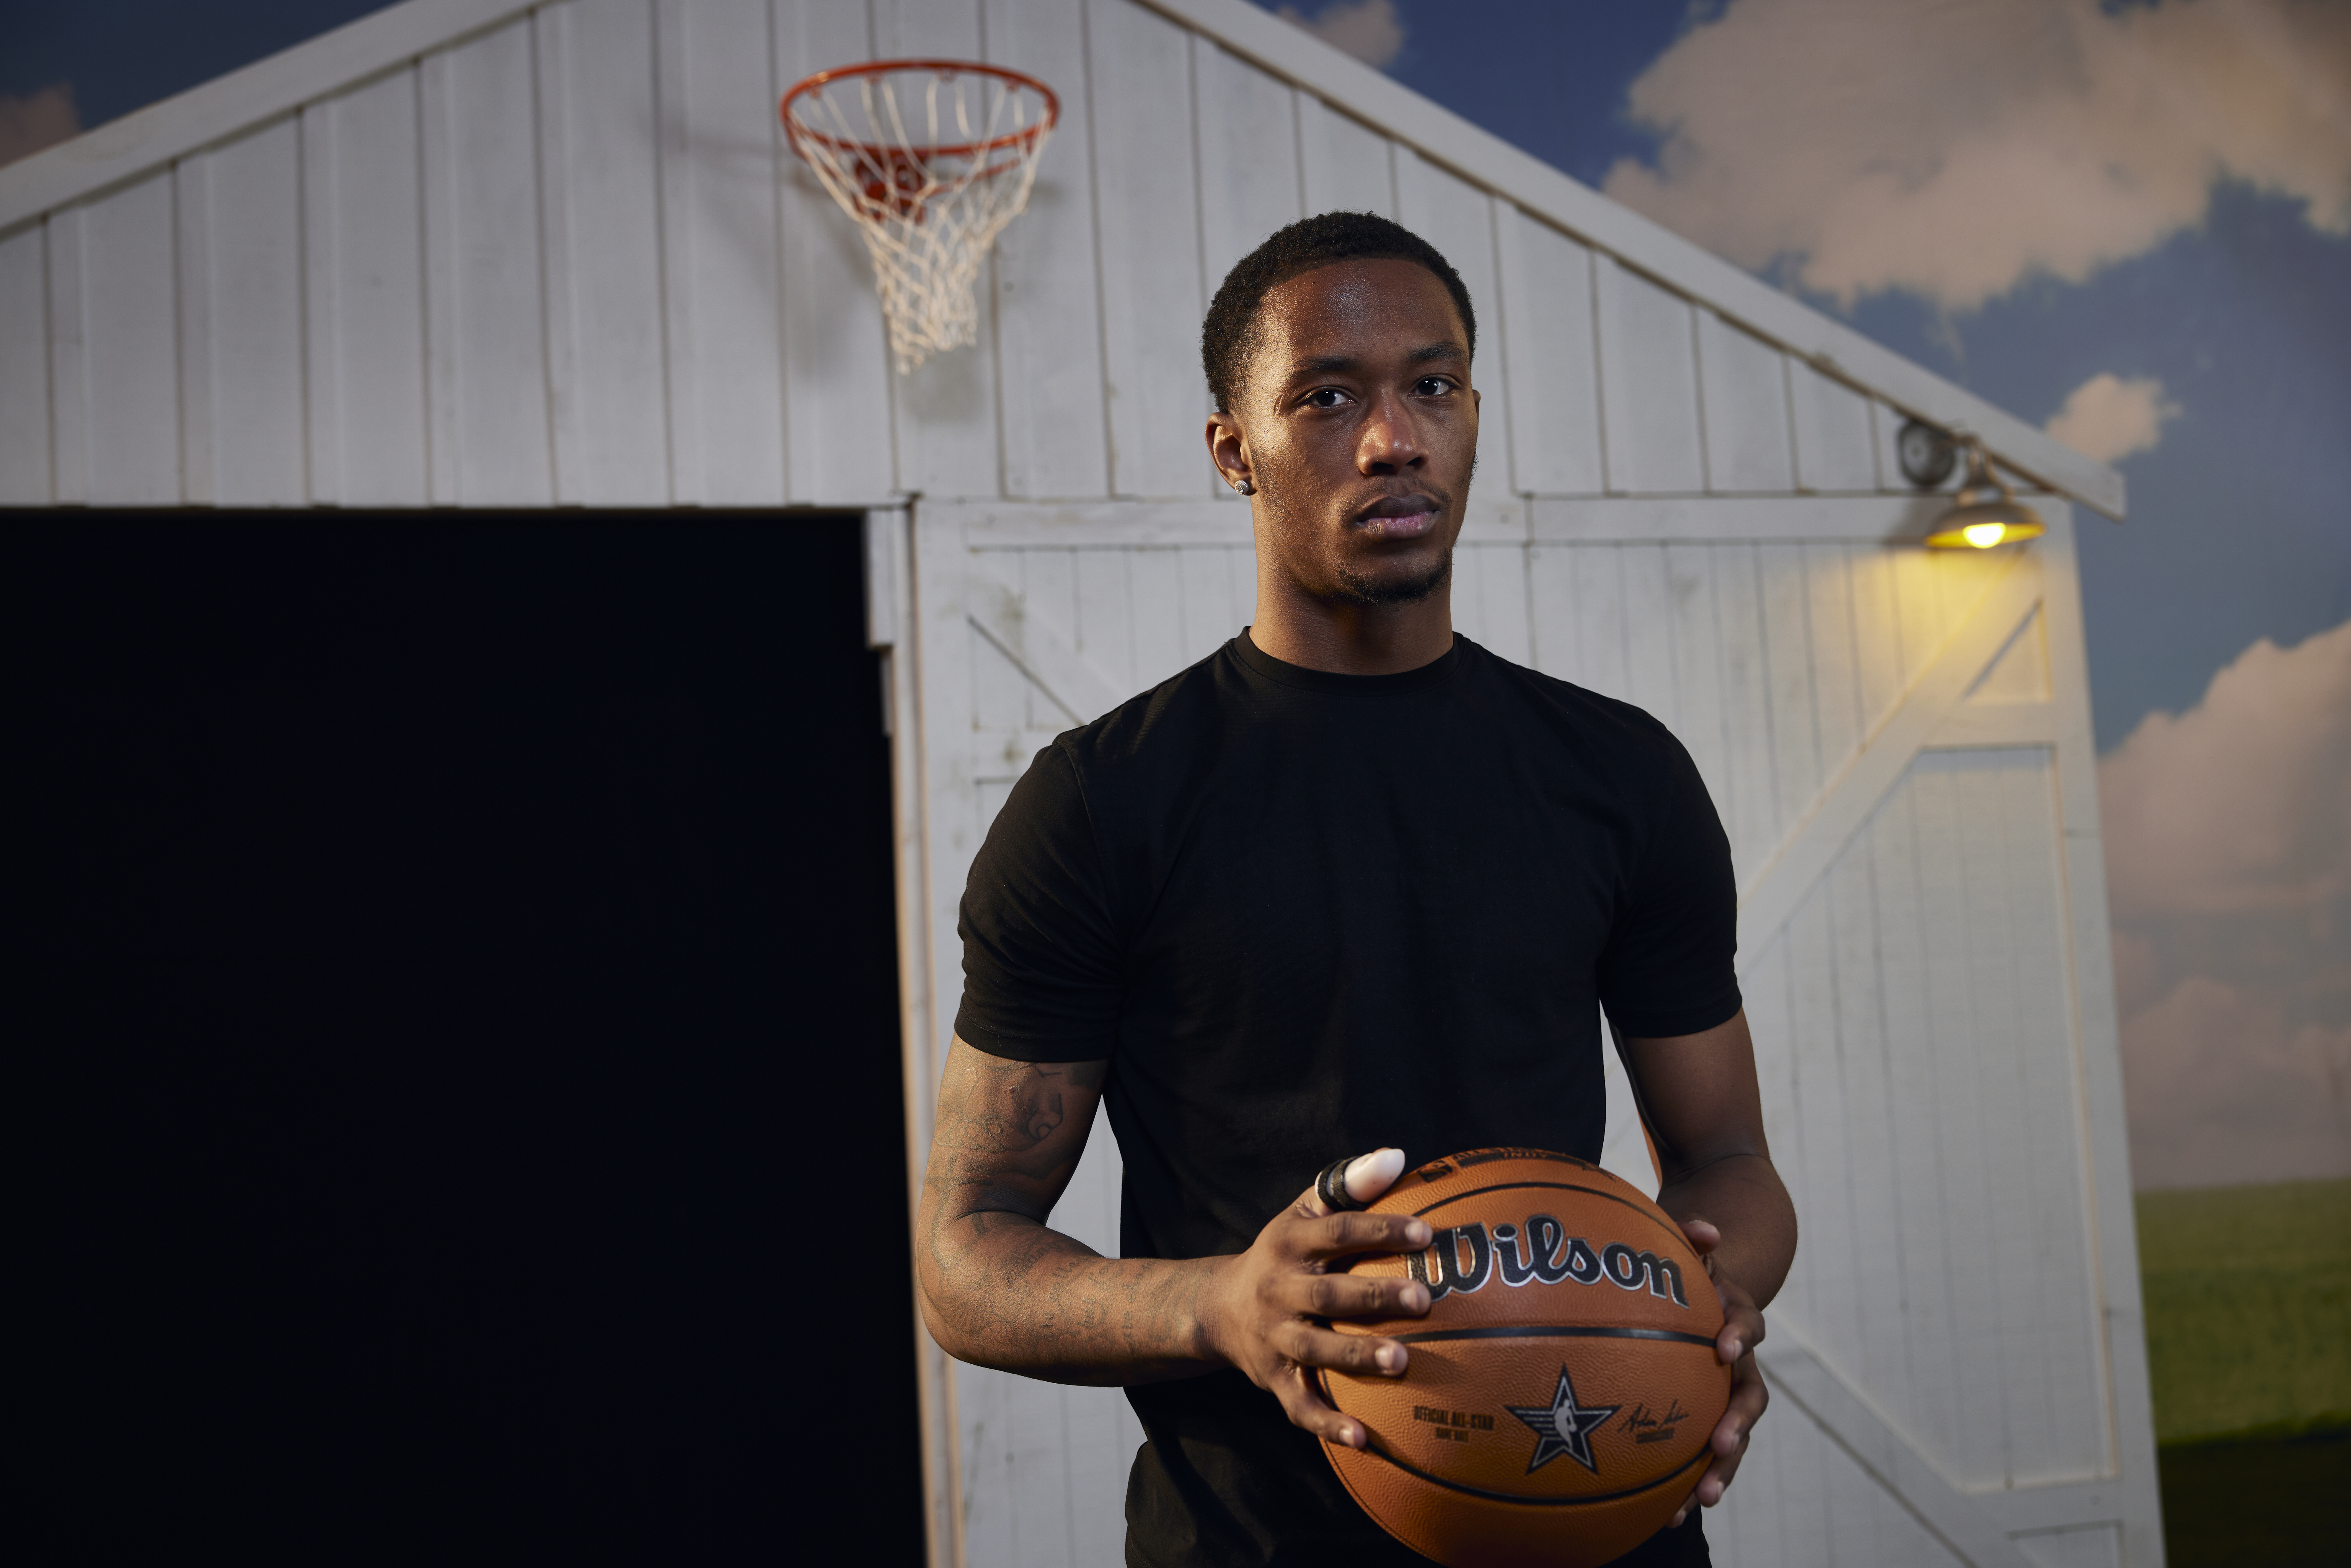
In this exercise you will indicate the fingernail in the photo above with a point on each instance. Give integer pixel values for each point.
(1736, 1349)
(1418, 1233)
(1416, 1297)
(1389, 1356)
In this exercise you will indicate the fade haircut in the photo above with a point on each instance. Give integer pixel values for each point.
(1233, 332)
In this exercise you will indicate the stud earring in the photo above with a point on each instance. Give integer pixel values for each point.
(1244, 487)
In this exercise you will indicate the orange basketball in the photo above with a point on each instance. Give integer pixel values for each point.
(1563, 1384)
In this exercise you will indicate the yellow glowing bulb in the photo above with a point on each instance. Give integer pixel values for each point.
(1983, 536)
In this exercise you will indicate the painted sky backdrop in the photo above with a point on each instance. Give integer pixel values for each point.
(2128, 221)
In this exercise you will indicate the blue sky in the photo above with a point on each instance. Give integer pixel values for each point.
(2240, 515)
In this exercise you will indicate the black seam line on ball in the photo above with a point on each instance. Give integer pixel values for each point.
(1706, 1451)
(1519, 1331)
(1559, 1186)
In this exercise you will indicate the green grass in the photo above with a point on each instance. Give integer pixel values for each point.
(2248, 1309)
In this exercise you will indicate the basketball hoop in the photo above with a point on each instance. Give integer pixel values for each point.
(932, 158)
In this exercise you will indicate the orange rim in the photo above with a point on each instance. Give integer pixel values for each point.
(1023, 138)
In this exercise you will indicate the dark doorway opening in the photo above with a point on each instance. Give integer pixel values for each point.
(460, 1004)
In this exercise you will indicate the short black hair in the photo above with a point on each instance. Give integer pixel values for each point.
(1230, 335)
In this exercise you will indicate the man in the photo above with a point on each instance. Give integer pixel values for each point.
(1351, 883)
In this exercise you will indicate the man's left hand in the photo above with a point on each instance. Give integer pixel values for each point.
(1742, 1331)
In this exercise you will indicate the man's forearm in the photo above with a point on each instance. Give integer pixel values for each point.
(1000, 1290)
(1743, 1196)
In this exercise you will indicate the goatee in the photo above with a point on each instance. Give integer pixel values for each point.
(1357, 589)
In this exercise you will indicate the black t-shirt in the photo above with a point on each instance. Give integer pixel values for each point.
(1306, 914)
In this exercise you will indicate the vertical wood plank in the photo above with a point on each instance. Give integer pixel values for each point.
(369, 410)
(481, 151)
(1818, 1102)
(1469, 592)
(1551, 354)
(131, 332)
(1344, 166)
(1650, 680)
(445, 384)
(1837, 676)
(1648, 385)
(1743, 396)
(1049, 591)
(681, 276)
(947, 405)
(1696, 630)
(1879, 1351)
(1249, 157)
(1048, 305)
(253, 337)
(1155, 604)
(1146, 199)
(322, 314)
(1458, 218)
(839, 415)
(604, 279)
(192, 212)
(1832, 434)
(1916, 1126)
(1209, 617)
(1105, 620)
(729, 137)
(1598, 600)
(2074, 1385)
(1751, 815)
(1979, 1451)
(69, 354)
(1796, 767)
(25, 478)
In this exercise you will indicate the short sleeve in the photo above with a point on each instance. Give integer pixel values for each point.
(1667, 968)
(1042, 976)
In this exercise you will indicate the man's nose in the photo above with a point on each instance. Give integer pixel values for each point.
(1390, 441)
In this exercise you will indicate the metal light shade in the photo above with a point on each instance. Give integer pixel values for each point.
(1985, 512)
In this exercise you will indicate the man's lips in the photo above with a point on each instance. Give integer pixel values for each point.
(1405, 518)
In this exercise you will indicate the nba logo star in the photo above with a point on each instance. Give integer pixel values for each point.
(1564, 1426)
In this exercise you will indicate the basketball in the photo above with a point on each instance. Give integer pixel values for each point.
(1562, 1387)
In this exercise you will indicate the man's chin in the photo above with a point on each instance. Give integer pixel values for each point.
(1392, 586)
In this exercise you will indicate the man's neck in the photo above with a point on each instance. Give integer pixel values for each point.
(1347, 639)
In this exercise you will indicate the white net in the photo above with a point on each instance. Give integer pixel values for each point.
(932, 159)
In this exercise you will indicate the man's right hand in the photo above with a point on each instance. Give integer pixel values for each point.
(1259, 1311)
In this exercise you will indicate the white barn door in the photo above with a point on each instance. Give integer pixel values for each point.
(1899, 746)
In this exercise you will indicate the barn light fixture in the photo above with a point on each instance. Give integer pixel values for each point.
(1985, 512)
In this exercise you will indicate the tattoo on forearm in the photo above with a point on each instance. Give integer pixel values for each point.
(1027, 1110)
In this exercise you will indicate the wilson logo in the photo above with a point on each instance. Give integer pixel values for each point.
(1462, 1258)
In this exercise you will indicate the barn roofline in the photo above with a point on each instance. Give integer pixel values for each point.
(124, 150)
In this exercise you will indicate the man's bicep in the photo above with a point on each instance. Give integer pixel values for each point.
(1698, 1092)
(1010, 1132)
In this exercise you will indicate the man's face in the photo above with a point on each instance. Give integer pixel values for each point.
(1360, 428)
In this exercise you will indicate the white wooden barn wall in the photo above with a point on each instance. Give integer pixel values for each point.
(568, 261)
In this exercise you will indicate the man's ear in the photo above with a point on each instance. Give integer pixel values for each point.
(1228, 450)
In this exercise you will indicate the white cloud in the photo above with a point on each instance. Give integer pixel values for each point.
(2223, 1089)
(2242, 804)
(1953, 148)
(37, 120)
(2106, 419)
(1368, 29)
(2228, 839)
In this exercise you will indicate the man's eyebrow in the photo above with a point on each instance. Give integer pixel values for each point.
(1326, 364)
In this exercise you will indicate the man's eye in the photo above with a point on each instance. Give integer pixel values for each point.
(1432, 386)
(1325, 397)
